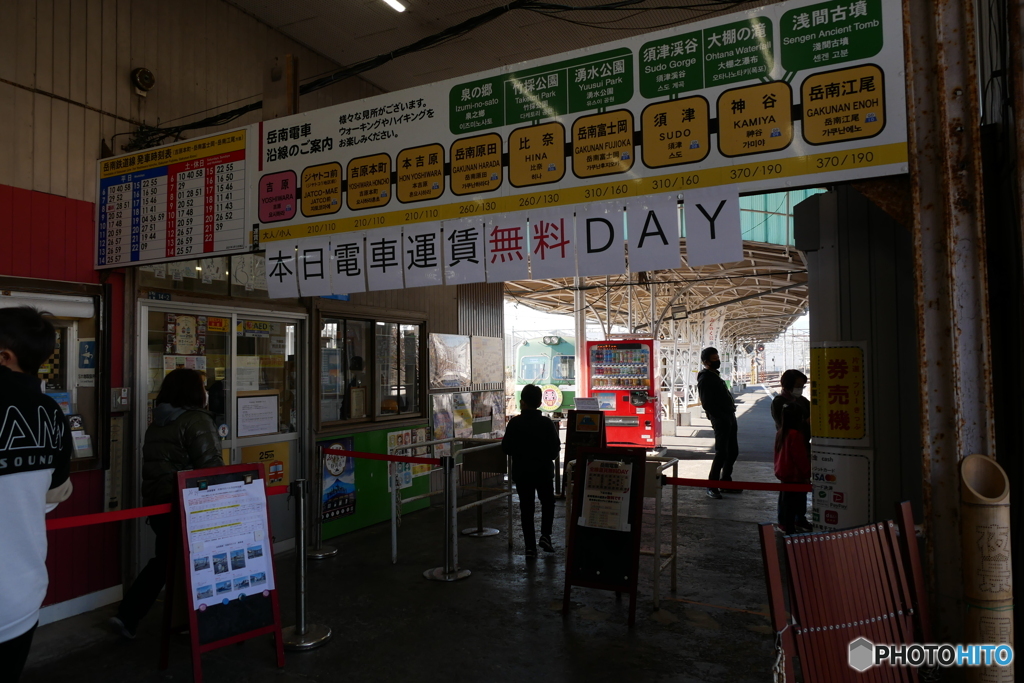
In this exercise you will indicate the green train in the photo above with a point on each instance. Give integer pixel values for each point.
(550, 363)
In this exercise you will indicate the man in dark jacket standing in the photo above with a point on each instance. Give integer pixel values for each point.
(720, 407)
(532, 441)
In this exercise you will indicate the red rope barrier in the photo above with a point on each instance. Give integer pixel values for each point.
(741, 485)
(121, 515)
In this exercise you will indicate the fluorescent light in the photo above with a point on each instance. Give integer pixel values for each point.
(395, 5)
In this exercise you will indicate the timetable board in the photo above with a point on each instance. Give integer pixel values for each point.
(178, 201)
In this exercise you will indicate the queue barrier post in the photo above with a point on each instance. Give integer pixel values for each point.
(487, 458)
(302, 636)
(320, 550)
(654, 486)
(450, 570)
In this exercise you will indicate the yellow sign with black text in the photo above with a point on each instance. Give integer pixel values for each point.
(420, 173)
(369, 182)
(536, 155)
(275, 457)
(602, 144)
(755, 119)
(838, 393)
(848, 104)
(676, 132)
(321, 189)
(476, 164)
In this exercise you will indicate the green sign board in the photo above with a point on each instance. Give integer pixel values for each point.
(730, 53)
(586, 83)
(831, 33)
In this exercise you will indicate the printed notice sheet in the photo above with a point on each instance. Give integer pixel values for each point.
(229, 548)
(606, 495)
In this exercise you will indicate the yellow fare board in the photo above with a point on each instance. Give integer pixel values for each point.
(476, 164)
(321, 189)
(755, 119)
(420, 173)
(536, 155)
(848, 104)
(838, 405)
(602, 144)
(676, 132)
(369, 182)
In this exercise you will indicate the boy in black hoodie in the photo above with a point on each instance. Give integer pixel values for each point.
(532, 441)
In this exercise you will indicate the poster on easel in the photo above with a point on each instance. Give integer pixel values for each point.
(226, 549)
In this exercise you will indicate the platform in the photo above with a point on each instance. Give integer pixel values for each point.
(502, 624)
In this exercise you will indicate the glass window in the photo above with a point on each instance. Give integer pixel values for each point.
(201, 342)
(344, 353)
(387, 369)
(533, 368)
(409, 336)
(265, 377)
(563, 367)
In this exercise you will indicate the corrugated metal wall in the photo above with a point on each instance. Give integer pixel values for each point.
(481, 309)
(64, 79)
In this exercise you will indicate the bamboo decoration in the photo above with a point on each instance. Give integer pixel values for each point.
(988, 583)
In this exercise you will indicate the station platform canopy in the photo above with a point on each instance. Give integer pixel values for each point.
(758, 298)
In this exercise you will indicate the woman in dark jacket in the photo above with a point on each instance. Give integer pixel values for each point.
(181, 437)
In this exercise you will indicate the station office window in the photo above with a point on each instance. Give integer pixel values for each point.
(369, 370)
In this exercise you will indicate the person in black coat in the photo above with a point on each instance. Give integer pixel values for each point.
(720, 408)
(531, 439)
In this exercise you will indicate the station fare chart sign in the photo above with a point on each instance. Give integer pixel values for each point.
(495, 168)
(181, 201)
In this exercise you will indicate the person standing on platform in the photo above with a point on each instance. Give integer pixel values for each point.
(791, 396)
(531, 439)
(35, 469)
(181, 437)
(718, 403)
(792, 466)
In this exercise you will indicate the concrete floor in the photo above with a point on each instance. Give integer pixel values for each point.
(502, 623)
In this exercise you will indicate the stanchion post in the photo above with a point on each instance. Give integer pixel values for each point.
(508, 469)
(450, 570)
(320, 550)
(675, 524)
(657, 543)
(393, 485)
(302, 636)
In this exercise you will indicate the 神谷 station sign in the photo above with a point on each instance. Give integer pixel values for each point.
(528, 170)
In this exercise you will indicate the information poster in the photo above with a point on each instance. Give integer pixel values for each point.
(462, 414)
(397, 441)
(275, 458)
(449, 356)
(230, 551)
(841, 495)
(178, 201)
(839, 394)
(443, 422)
(257, 415)
(488, 360)
(606, 495)
(339, 482)
(419, 435)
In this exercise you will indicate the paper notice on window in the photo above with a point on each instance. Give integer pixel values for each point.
(606, 495)
(229, 549)
(257, 415)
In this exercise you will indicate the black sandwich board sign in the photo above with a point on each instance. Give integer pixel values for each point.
(605, 526)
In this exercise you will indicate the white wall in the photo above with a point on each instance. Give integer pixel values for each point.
(64, 79)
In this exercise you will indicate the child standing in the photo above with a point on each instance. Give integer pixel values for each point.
(792, 466)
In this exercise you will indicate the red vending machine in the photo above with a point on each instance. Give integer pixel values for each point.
(620, 374)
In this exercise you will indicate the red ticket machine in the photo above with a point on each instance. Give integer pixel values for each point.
(620, 374)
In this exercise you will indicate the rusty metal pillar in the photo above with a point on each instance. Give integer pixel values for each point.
(949, 252)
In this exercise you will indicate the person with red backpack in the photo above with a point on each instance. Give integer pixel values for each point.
(792, 466)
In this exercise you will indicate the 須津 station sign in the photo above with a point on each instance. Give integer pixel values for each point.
(527, 170)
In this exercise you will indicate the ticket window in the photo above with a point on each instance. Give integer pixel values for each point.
(181, 339)
(69, 375)
(344, 369)
(398, 368)
(265, 378)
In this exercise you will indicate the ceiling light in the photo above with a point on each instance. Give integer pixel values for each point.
(395, 5)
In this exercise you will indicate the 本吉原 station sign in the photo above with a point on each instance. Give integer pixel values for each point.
(527, 170)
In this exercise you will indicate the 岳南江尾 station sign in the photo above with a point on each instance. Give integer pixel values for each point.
(790, 95)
